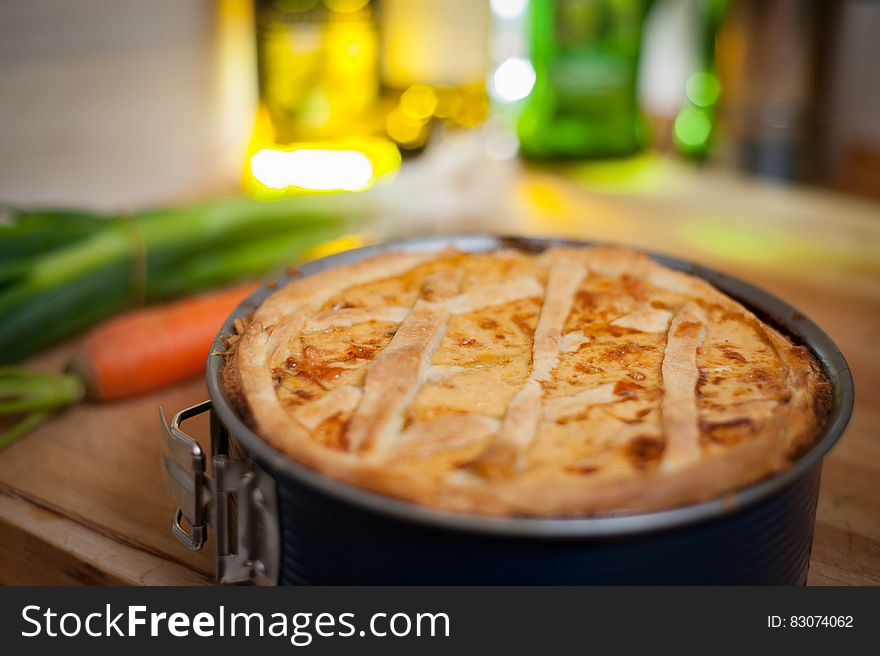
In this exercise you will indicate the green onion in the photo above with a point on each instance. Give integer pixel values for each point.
(35, 395)
(24, 234)
(62, 271)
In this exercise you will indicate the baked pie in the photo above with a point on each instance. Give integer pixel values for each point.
(575, 381)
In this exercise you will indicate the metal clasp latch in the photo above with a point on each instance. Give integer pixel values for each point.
(184, 463)
(238, 502)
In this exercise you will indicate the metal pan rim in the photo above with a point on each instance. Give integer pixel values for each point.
(768, 307)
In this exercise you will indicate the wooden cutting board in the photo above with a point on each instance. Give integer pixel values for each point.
(82, 499)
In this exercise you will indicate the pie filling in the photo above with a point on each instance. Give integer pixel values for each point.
(572, 382)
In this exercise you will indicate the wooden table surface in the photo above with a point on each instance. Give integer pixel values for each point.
(82, 499)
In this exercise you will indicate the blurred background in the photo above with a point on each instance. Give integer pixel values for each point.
(124, 103)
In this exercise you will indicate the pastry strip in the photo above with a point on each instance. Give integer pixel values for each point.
(647, 321)
(347, 317)
(445, 432)
(394, 377)
(520, 424)
(568, 405)
(571, 342)
(680, 375)
(756, 410)
(338, 401)
(495, 294)
(438, 372)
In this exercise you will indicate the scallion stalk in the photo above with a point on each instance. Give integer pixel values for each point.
(90, 267)
(35, 395)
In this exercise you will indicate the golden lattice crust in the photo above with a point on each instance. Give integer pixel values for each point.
(574, 382)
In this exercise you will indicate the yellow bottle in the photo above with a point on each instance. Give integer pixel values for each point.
(434, 60)
(319, 126)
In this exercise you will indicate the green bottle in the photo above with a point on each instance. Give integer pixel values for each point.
(584, 104)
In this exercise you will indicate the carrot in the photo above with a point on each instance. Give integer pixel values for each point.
(153, 347)
(129, 355)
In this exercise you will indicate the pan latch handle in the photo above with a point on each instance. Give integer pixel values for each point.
(184, 462)
(227, 492)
